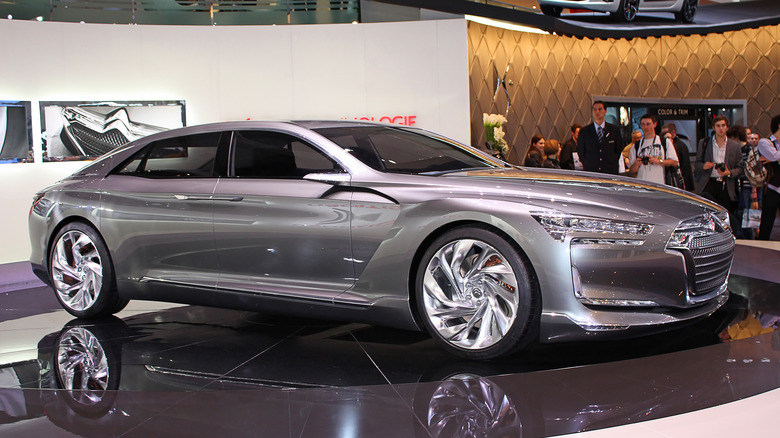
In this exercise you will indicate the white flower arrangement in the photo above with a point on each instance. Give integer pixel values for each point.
(494, 132)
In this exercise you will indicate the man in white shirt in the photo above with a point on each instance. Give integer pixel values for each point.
(718, 167)
(770, 156)
(651, 154)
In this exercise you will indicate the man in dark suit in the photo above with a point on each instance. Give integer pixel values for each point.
(600, 144)
(718, 166)
(569, 148)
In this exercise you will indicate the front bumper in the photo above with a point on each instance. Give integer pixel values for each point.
(620, 288)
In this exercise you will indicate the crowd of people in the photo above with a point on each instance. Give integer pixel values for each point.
(733, 167)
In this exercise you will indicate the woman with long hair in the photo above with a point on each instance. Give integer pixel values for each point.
(535, 155)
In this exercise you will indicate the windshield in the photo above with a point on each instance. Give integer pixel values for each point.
(394, 150)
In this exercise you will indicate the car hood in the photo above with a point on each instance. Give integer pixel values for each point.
(623, 196)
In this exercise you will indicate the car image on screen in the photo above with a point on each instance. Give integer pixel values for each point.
(379, 224)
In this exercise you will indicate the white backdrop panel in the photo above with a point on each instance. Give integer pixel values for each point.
(416, 70)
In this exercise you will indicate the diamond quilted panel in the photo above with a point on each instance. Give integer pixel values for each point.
(555, 78)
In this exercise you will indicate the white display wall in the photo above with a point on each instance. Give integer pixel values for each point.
(413, 72)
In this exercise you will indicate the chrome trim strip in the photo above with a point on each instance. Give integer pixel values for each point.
(692, 299)
(342, 302)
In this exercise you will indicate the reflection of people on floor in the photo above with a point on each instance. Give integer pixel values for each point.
(754, 324)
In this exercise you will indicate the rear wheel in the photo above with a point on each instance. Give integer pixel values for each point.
(627, 10)
(82, 273)
(475, 294)
(688, 11)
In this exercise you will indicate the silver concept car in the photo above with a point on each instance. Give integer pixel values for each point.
(381, 224)
(625, 10)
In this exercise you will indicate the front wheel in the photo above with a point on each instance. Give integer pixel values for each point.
(82, 273)
(688, 11)
(475, 294)
(627, 10)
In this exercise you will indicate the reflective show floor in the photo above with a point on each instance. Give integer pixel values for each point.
(192, 371)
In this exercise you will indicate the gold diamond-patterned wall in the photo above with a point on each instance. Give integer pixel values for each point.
(555, 77)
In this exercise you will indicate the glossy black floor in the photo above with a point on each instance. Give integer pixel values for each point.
(185, 371)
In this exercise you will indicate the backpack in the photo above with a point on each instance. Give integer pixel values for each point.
(754, 170)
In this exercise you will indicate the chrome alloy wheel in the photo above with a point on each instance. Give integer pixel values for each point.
(77, 270)
(82, 366)
(470, 294)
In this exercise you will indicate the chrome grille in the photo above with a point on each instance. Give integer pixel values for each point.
(96, 143)
(712, 256)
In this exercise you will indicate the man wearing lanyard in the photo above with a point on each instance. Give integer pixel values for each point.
(770, 156)
(719, 165)
(648, 157)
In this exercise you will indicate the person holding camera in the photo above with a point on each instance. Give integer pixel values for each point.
(719, 166)
(651, 154)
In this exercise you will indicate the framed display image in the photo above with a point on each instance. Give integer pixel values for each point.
(15, 132)
(78, 130)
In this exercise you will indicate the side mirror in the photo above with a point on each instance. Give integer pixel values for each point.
(329, 178)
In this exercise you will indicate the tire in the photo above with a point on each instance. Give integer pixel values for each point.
(688, 11)
(553, 11)
(82, 273)
(475, 294)
(627, 10)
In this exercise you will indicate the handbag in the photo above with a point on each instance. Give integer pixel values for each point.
(673, 177)
(751, 218)
(755, 172)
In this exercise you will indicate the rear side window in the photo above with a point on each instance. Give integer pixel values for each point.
(393, 150)
(266, 154)
(189, 156)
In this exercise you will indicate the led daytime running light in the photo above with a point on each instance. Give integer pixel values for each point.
(558, 225)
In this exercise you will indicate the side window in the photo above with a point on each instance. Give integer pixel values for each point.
(360, 148)
(189, 156)
(265, 154)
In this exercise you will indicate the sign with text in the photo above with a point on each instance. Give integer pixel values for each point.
(407, 120)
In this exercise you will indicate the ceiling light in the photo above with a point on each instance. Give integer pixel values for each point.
(505, 25)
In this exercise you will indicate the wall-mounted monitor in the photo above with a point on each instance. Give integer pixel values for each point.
(15, 132)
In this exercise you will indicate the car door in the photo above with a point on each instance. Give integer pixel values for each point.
(157, 215)
(287, 235)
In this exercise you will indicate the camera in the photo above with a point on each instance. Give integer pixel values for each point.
(645, 160)
(721, 166)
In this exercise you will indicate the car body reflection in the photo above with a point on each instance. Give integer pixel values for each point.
(96, 375)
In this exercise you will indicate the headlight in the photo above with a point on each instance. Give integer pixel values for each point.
(559, 224)
(699, 226)
(40, 205)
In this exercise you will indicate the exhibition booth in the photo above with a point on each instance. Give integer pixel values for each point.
(190, 370)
